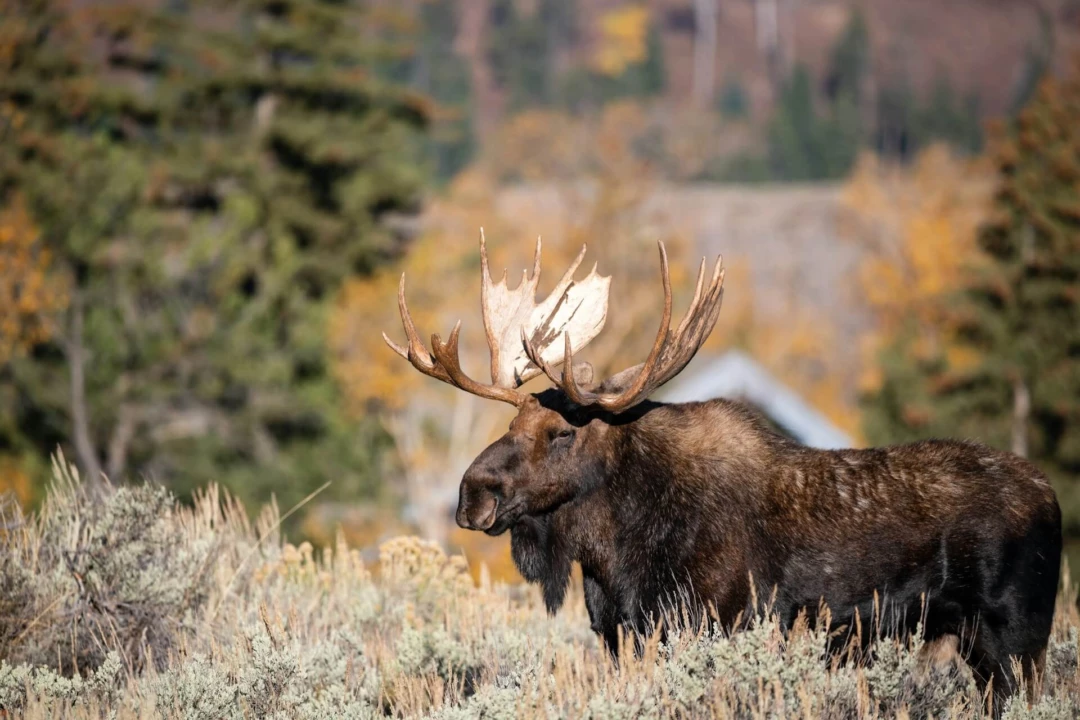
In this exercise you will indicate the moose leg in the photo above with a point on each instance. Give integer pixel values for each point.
(1016, 607)
(997, 664)
(991, 669)
(990, 663)
(602, 614)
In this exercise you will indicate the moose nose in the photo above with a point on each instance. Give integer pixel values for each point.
(478, 516)
(478, 503)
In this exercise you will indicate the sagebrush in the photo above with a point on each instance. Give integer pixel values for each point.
(119, 603)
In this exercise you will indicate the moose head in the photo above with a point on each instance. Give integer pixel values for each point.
(554, 449)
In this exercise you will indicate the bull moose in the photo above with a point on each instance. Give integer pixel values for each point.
(703, 501)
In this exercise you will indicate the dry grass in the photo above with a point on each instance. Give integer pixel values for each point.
(129, 606)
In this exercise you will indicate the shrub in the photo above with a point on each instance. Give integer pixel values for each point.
(90, 576)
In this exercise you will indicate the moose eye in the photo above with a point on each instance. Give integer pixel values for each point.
(562, 435)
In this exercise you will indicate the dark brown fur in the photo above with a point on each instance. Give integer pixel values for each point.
(692, 500)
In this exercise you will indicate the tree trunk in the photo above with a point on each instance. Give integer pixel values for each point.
(471, 43)
(1021, 393)
(1021, 412)
(84, 444)
(706, 13)
(767, 24)
(118, 444)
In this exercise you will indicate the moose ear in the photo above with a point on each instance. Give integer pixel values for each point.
(618, 382)
(583, 374)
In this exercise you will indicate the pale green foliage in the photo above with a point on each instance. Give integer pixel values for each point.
(270, 678)
(239, 624)
(490, 703)
(896, 677)
(198, 689)
(47, 687)
(84, 576)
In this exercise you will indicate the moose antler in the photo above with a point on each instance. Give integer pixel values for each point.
(574, 310)
(670, 352)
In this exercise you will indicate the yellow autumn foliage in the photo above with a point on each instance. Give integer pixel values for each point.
(622, 40)
(31, 293)
(918, 229)
(15, 480)
(545, 145)
(536, 145)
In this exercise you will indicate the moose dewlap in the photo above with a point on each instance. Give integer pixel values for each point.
(701, 504)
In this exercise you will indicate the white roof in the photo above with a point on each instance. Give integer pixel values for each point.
(736, 376)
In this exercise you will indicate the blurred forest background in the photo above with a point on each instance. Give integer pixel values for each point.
(205, 207)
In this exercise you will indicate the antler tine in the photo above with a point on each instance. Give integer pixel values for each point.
(403, 352)
(703, 310)
(670, 353)
(536, 260)
(568, 276)
(416, 347)
(627, 398)
(697, 298)
(569, 382)
(534, 279)
(698, 323)
(485, 276)
(537, 358)
(446, 365)
(447, 355)
(717, 295)
(415, 352)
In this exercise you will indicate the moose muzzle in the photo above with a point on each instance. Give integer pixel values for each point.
(478, 509)
(487, 487)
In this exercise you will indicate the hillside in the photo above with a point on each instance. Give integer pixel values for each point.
(981, 46)
(985, 48)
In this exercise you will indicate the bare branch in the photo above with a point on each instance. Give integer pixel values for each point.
(84, 444)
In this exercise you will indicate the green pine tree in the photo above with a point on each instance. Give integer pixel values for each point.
(520, 56)
(208, 213)
(1019, 315)
(850, 60)
(74, 141)
(811, 140)
(897, 108)
(425, 59)
(945, 119)
(733, 101)
(806, 145)
(651, 74)
(1037, 59)
(447, 82)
